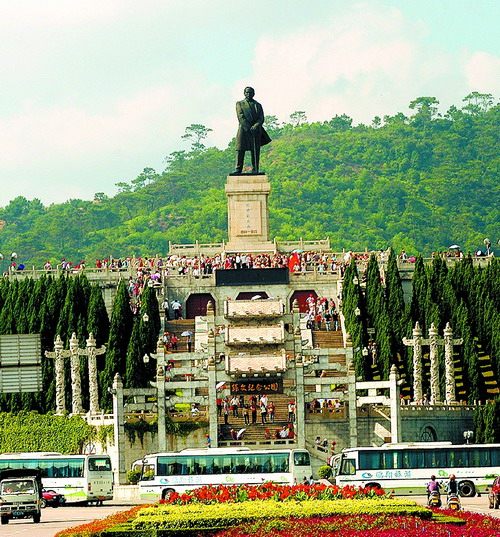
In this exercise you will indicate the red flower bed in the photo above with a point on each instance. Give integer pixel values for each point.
(270, 491)
(93, 529)
(475, 525)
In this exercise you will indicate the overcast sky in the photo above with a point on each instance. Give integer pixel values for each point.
(93, 91)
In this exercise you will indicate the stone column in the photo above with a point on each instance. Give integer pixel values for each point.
(300, 420)
(353, 412)
(449, 366)
(76, 381)
(416, 343)
(395, 405)
(119, 428)
(434, 372)
(92, 352)
(160, 396)
(59, 354)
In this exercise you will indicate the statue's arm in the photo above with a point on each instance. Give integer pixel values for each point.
(245, 125)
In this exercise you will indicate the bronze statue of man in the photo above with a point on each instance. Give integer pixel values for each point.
(251, 134)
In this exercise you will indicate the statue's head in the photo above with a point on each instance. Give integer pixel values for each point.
(249, 92)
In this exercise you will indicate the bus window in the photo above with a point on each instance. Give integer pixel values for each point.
(370, 460)
(301, 458)
(436, 458)
(388, 462)
(100, 464)
(348, 467)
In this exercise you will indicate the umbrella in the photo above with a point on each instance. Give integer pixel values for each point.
(240, 434)
(220, 385)
(186, 333)
(256, 297)
(453, 246)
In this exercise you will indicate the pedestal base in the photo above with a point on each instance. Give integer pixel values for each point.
(248, 213)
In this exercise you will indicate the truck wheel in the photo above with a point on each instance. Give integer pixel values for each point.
(466, 489)
(5, 520)
(165, 493)
(36, 518)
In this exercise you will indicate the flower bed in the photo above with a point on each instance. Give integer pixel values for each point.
(461, 524)
(270, 491)
(200, 516)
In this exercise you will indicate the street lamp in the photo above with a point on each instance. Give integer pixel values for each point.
(364, 352)
(145, 358)
(357, 312)
(145, 318)
(468, 435)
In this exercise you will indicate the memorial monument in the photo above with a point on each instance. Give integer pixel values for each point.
(247, 193)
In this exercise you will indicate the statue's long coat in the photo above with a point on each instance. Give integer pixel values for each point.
(249, 114)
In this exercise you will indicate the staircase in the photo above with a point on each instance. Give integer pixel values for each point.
(328, 339)
(256, 432)
(177, 327)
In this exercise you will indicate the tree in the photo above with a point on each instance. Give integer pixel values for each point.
(195, 134)
(478, 103)
(426, 110)
(298, 118)
(135, 369)
(119, 336)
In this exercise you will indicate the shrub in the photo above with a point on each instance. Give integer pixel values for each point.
(133, 476)
(325, 471)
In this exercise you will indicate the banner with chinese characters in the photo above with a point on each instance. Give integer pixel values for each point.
(257, 387)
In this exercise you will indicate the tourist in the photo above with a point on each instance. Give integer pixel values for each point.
(271, 410)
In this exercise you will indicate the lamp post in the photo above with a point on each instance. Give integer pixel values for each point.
(468, 436)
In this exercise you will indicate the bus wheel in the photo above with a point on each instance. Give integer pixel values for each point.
(466, 489)
(5, 520)
(165, 493)
(375, 486)
(36, 518)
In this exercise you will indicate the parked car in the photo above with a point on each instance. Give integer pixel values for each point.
(52, 498)
(494, 494)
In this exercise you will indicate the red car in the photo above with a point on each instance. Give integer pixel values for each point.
(494, 494)
(52, 498)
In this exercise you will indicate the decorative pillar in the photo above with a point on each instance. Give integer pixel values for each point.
(59, 354)
(449, 366)
(300, 404)
(395, 405)
(76, 381)
(416, 343)
(433, 355)
(92, 352)
(161, 399)
(352, 409)
(119, 428)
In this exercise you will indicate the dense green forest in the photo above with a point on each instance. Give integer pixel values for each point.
(420, 183)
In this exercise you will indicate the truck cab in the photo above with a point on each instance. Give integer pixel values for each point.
(20, 495)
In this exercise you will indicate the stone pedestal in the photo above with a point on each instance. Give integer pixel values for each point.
(248, 213)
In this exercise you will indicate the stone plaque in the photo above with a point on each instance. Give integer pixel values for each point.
(249, 218)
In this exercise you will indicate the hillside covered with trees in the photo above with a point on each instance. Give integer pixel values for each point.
(420, 183)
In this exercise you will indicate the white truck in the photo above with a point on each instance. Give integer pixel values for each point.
(20, 495)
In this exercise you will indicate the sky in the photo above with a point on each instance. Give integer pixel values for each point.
(93, 91)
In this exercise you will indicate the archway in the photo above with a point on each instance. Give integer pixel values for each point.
(428, 434)
(301, 297)
(196, 304)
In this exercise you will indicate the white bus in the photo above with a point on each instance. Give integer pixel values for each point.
(81, 478)
(407, 468)
(163, 473)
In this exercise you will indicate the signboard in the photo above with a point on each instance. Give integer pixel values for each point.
(256, 387)
(269, 276)
(20, 363)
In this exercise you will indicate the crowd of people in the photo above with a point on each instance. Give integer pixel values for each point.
(322, 313)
